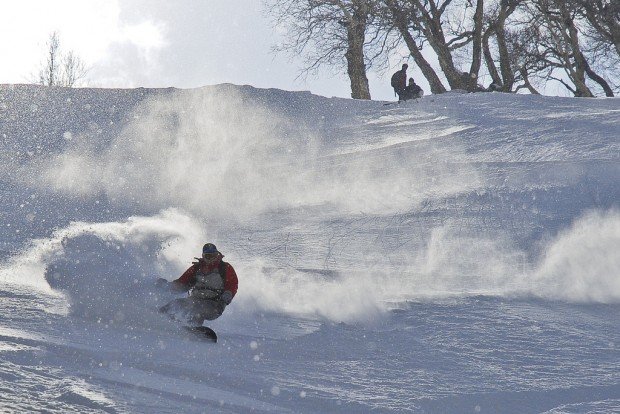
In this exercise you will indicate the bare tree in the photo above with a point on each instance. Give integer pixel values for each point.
(451, 28)
(49, 73)
(524, 43)
(396, 14)
(476, 39)
(556, 28)
(520, 44)
(356, 22)
(496, 34)
(60, 69)
(432, 17)
(73, 69)
(604, 18)
(526, 60)
(602, 41)
(327, 32)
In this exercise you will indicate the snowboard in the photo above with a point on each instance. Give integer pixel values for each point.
(399, 102)
(203, 332)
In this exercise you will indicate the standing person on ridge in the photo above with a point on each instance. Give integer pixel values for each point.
(399, 81)
(212, 285)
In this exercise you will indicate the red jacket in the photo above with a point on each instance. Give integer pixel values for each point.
(188, 279)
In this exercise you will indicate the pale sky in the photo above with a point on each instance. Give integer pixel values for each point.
(161, 43)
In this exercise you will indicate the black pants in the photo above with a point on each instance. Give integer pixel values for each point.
(400, 92)
(193, 310)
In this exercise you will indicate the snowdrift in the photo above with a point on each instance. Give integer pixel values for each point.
(338, 215)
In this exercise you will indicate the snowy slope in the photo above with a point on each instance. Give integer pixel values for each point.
(454, 254)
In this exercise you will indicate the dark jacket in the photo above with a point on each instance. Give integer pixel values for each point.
(412, 91)
(399, 81)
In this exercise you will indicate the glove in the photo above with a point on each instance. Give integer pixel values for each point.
(226, 297)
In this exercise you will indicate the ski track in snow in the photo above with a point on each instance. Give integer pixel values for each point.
(449, 255)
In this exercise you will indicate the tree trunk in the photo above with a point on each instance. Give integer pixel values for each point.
(526, 81)
(476, 60)
(356, 69)
(488, 57)
(427, 70)
(508, 75)
(437, 41)
(571, 36)
(356, 66)
(498, 28)
(430, 22)
(596, 77)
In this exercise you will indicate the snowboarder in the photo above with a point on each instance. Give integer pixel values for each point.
(399, 81)
(412, 91)
(212, 284)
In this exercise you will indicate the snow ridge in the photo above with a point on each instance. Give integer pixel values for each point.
(453, 254)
